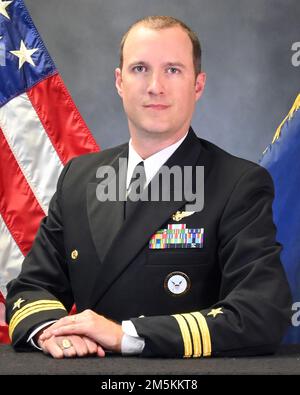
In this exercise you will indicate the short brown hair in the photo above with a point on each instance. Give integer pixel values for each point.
(158, 22)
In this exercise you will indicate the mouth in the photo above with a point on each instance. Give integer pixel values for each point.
(157, 107)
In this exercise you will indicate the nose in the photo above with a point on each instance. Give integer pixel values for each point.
(156, 85)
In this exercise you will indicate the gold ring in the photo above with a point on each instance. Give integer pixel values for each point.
(66, 343)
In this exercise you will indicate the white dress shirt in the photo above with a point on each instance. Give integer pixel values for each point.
(151, 164)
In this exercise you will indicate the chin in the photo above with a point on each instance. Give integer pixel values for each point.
(154, 129)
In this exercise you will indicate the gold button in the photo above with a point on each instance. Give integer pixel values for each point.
(74, 254)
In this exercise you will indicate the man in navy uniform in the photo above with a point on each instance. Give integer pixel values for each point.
(155, 280)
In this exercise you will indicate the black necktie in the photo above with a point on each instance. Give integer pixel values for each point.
(135, 189)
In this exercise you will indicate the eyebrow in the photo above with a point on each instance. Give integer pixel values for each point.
(138, 62)
(175, 64)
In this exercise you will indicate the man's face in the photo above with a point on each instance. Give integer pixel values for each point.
(157, 82)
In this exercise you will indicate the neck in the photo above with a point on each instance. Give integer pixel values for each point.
(153, 143)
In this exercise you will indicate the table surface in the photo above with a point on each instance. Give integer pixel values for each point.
(285, 361)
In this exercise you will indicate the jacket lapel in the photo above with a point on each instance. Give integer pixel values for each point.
(106, 217)
(149, 216)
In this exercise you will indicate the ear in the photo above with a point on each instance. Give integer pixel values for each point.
(118, 81)
(200, 84)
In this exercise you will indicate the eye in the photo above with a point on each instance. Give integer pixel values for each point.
(173, 70)
(139, 69)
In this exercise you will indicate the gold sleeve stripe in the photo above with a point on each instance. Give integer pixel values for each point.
(185, 333)
(197, 348)
(32, 308)
(13, 326)
(45, 307)
(33, 305)
(204, 332)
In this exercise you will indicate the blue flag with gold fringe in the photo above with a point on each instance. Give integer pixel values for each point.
(282, 159)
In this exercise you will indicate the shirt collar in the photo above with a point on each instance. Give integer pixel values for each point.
(153, 163)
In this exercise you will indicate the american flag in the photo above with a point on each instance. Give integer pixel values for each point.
(40, 130)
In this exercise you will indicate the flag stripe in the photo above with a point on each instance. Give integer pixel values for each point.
(19, 208)
(31, 146)
(10, 257)
(61, 119)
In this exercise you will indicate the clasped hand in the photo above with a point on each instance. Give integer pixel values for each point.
(80, 335)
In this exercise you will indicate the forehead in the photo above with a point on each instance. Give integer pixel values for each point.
(144, 42)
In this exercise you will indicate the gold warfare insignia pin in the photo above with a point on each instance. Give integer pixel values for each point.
(215, 312)
(179, 215)
(17, 304)
(177, 283)
(74, 254)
